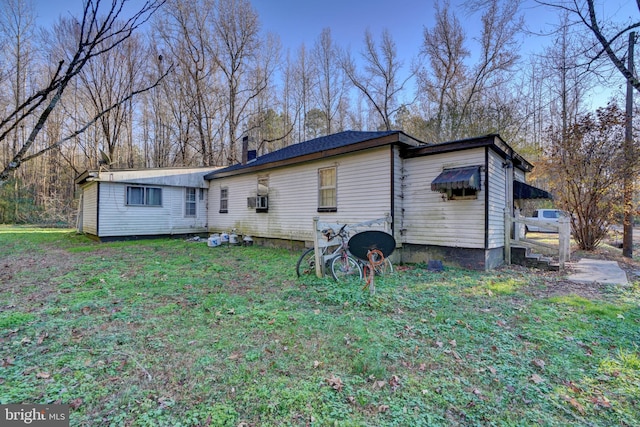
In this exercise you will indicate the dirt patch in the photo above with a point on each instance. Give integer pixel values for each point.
(592, 291)
(24, 263)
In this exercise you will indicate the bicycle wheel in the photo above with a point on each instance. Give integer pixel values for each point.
(306, 265)
(343, 268)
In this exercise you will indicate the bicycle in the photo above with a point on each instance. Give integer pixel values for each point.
(339, 261)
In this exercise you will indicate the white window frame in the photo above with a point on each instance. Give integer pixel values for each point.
(190, 202)
(224, 200)
(324, 187)
(146, 197)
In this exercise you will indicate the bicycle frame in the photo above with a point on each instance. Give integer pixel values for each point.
(340, 249)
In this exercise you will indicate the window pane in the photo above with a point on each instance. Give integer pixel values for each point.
(154, 196)
(263, 186)
(327, 188)
(190, 202)
(191, 195)
(327, 178)
(328, 198)
(224, 198)
(135, 195)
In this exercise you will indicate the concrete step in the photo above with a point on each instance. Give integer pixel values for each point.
(523, 256)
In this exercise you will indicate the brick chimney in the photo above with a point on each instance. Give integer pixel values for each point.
(245, 149)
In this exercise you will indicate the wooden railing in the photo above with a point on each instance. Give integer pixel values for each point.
(514, 227)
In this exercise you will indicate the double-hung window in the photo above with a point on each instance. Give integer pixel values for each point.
(190, 202)
(224, 200)
(327, 190)
(144, 196)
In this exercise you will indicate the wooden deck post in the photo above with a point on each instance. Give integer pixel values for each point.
(316, 248)
(564, 244)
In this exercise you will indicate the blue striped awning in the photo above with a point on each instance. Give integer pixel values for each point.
(457, 178)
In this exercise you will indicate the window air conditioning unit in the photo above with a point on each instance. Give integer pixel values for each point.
(262, 202)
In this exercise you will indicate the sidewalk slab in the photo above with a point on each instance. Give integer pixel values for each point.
(597, 270)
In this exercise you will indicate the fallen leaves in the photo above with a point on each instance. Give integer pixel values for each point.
(538, 363)
(536, 379)
(235, 356)
(43, 375)
(575, 404)
(6, 362)
(335, 383)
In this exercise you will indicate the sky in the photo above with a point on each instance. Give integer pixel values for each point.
(302, 21)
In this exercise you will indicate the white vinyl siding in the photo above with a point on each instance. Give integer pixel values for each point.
(431, 220)
(364, 194)
(90, 209)
(399, 189)
(119, 219)
(497, 200)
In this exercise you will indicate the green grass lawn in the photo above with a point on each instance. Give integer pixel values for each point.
(170, 332)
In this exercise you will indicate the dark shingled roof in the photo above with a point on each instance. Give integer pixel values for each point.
(323, 143)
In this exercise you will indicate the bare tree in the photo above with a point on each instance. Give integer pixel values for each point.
(192, 91)
(443, 45)
(97, 32)
(304, 81)
(331, 87)
(237, 43)
(461, 91)
(104, 81)
(380, 82)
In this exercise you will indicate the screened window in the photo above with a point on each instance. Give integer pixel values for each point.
(135, 195)
(327, 194)
(144, 196)
(224, 200)
(154, 196)
(190, 202)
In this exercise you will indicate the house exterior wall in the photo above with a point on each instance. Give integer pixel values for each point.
(118, 219)
(399, 187)
(363, 193)
(428, 219)
(90, 209)
(497, 200)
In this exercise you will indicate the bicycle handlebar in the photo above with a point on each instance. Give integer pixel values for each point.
(330, 234)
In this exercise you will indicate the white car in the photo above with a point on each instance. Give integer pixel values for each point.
(548, 215)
